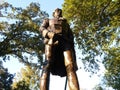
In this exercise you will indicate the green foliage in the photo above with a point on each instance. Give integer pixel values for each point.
(6, 78)
(95, 24)
(27, 79)
(98, 87)
(21, 85)
(20, 36)
(21, 39)
(112, 64)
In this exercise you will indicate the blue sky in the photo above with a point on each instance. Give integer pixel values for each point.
(46, 5)
(49, 6)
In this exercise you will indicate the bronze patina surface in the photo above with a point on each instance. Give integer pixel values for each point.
(60, 56)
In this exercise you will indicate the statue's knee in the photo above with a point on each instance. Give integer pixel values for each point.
(70, 68)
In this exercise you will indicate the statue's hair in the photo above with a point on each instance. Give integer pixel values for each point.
(59, 11)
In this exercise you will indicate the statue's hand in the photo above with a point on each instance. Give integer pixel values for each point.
(53, 38)
(53, 35)
(50, 34)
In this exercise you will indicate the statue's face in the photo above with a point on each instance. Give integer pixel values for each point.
(56, 14)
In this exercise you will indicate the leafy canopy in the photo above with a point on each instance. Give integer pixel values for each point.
(20, 36)
(95, 24)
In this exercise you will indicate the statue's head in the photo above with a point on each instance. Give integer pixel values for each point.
(57, 13)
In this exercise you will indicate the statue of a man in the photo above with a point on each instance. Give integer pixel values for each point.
(60, 56)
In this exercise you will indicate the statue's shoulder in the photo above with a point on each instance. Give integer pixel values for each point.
(63, 19)
(60, 18)
(46, 19)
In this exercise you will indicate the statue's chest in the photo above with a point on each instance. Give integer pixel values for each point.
(55, 25)
(54, 22)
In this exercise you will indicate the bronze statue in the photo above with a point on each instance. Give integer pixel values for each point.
(60, 56)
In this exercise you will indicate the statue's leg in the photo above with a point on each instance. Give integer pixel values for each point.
(44, 80)
(71, 73)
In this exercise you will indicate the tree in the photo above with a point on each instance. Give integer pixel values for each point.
(28, 77)
(98, 88)
(6, 78)
(96, 26)
(21, 85)
(112, 64)
(95, 23)
(20, 38)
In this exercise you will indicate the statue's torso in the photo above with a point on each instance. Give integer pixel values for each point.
(56, 25)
